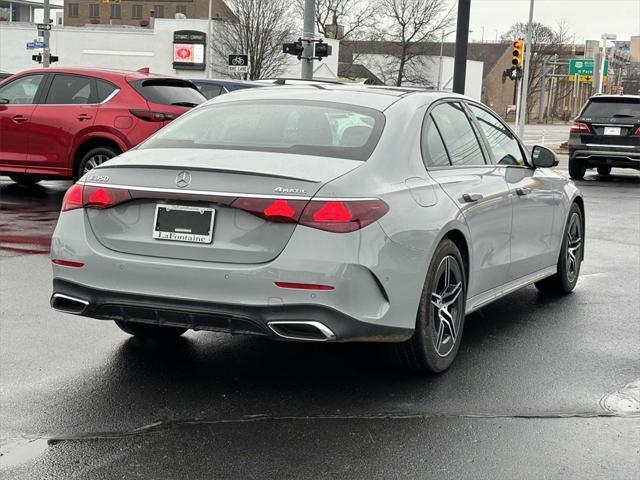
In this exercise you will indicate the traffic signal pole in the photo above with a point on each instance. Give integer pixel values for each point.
(522, 110)
(46, 51)
(308, 33)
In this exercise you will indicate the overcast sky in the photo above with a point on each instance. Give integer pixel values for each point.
(587, 19)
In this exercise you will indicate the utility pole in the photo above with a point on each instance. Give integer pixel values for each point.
(46, 51)
(603, 57)
(440, 64)
(462, 41)
(542, 91)
(522, 117)
(209, 41)
(308, 33)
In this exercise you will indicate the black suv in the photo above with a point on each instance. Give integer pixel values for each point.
(606, 134)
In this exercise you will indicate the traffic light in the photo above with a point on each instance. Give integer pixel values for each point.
(294, 48)
(518, 53)
(53, 58)
(322, 49)
(37, 58)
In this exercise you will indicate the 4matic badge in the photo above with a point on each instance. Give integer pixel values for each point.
(289, 190)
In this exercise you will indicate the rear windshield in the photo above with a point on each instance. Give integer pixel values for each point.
(169, 92)
(284, 126)
(612, 108)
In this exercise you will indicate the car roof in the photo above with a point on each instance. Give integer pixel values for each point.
(372, 96)
(107, 74)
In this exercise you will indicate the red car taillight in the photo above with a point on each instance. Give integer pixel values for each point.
(637, 132)
(151, 116)
(579, 127)
(341, 216)
(80, 196)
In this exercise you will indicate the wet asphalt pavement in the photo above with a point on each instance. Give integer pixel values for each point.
(524, 399)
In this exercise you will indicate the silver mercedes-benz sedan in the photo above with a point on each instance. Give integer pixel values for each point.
(325, 213)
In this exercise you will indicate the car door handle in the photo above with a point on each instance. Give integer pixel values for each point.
(522, 191)
(19, 118)
(472, 197)
(83, 116)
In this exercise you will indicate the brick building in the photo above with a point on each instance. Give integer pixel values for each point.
(137, 12)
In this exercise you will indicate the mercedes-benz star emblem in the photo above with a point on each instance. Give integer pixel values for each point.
(183, 179)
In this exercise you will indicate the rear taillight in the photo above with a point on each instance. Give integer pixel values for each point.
(73, 198)
(637, 132)
(151, 116)
(276, 210)
(579, 127)
(80, 196)
(68, 263)
(338, 216)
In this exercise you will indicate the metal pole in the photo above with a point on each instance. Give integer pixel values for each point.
(525, 74)
(462, 40)
(46, 52)
(603, 59)
(308, 33)
(440, 65)
(209, 41)
(542, 92)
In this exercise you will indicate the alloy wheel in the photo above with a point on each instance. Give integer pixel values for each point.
(94, 161)
(574, 243)
(446, 302)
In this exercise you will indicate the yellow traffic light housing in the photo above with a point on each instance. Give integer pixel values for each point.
(518, 53)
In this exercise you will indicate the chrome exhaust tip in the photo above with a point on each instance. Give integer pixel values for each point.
(310, 331)
(68, 304)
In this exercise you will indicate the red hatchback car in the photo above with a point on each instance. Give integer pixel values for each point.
(62, 122)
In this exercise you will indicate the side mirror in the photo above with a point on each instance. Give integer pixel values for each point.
(542, 157)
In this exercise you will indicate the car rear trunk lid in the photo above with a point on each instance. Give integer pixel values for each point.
(206, 179)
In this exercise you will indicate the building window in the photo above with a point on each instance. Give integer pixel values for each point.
(73, 10)
(94, 10)
(159, 9)
(181, 9)
(116, 11)
(136, 11)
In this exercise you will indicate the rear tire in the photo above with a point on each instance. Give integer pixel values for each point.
(94, 157)
(436, 339)
(604, 170)
(153, 332)
(25, 179)
(571, 255)
(577, 169)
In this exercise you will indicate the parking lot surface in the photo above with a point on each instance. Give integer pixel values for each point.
(543, 387)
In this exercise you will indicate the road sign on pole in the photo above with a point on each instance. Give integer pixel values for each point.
(584, 70)
(239, 63)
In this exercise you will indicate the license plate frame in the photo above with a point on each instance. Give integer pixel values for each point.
(613, 131)
(184, 236)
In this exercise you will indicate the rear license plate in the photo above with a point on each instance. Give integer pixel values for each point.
(612, 130)
(181, 223)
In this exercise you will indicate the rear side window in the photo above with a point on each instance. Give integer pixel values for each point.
(283, 126)
(169, 92)
(70, 90)
(433, 151)
(457, 134)
(610, 108)
(104, 90)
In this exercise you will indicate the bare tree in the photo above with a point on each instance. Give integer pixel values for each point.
(545, 43)
(258, 30)
(342, 19)
(412, 22)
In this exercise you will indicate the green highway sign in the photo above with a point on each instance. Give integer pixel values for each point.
(584, 69)
(580, 67)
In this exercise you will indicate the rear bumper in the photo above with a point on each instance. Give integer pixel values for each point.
(223, 317)
(614, 157)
